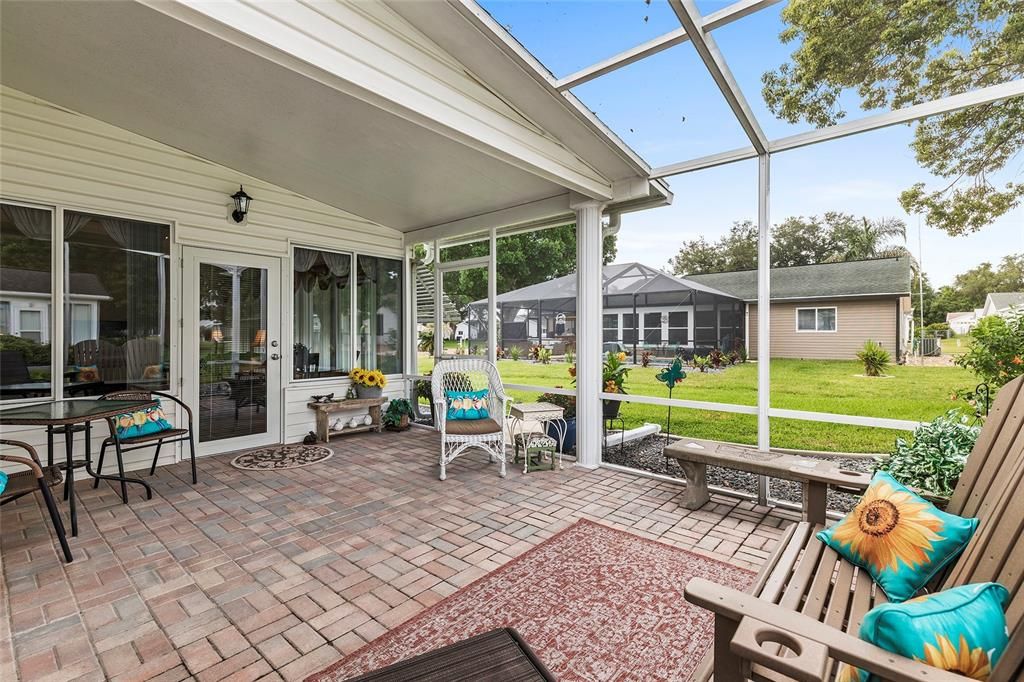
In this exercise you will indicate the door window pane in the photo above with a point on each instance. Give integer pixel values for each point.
(322, 313)
(232, 351)
(379, 314)
(117, 303)
(25, 279)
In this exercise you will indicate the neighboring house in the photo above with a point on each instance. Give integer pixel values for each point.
(1003, 304)
(25, 309)
(962, 322)
(827, 311)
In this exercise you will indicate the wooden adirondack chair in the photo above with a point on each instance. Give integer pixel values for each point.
(807, 604)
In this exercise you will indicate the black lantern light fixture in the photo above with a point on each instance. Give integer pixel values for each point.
(242, 201)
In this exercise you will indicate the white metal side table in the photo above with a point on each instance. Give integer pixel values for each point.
(521, 414)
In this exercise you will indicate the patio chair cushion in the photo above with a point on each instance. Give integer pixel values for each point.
(472, 427)
(142, 423)
(962, 629)
(89, 373)
(468, 405)
(900, 538)
(3, 481)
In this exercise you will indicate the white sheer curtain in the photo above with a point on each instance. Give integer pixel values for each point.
(34, 223)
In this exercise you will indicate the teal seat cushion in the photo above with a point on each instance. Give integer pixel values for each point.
(141, 423)
(962, 629)
(3, 481)
(898, 537)
(467, 405)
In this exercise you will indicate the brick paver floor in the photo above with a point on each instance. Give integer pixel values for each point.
(271, 575)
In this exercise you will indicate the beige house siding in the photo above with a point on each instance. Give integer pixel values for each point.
(857, 320)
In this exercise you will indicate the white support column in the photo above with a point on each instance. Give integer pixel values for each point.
(588, 332)
(763, 314)
(438, 303)
(492, 295)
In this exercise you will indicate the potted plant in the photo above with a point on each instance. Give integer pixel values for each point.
(396, 417)
(369, 383)
(613, 376)
(568, 405)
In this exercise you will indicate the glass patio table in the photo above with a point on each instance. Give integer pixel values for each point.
(69, 417)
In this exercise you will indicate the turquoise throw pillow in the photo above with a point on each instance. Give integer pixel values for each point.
(3, 481)
(962, 630)
(899, 537)
(141, 423)
(467, 405)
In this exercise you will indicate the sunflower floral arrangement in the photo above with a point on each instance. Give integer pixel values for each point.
(368, 382)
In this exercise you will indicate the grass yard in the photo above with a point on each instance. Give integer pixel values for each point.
(913, 393)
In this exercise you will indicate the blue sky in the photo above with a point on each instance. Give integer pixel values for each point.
(668, 109)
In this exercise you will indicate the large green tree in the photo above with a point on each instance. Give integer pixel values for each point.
(896, 53)
(797, 240)
(522, 260)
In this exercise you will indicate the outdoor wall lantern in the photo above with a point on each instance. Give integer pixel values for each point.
(242, 201)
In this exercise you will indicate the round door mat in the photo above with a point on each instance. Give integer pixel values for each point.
(281, 457)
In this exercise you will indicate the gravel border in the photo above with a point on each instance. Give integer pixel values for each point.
(646, 454)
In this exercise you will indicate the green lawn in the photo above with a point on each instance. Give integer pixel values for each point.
(955, 345)
(913, 393)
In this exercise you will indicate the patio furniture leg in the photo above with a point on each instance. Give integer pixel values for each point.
(120, 471)
(192, 453)
(728, 666)
(49, 445)
(99, 466)
(58, 522)
(156, 456)
(696, 494)
(815, 502)
(69, 483)
(68, 480)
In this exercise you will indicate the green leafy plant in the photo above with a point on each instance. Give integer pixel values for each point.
(515, 352)
(426, 340)
(34, 353)
(535, 352)
(397, 409)
(997, 354)
(716, 358)
(701, 363)
(874, 357)
(614, 372)
(933, 458)
(570, 356)
(544, 356)
(566, 402)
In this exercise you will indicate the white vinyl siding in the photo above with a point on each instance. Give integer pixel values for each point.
(53, 157)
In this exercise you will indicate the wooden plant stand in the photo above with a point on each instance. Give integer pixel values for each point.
(324, 410)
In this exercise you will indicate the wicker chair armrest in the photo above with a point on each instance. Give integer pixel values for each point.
(36, 468)
(36, 462)
(778, 625)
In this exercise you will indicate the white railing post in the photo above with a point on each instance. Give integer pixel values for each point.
(764, 265)
(589, 287)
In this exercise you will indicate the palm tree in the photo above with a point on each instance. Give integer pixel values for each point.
(873, 239)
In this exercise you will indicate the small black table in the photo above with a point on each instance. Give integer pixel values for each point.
(65, 415)
(497, 656)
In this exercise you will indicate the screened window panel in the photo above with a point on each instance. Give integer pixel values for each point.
(629, 336)
(652, 327)
(678, 319)
(379, 313)
(610, 321)
(610, 335)
(322, 313)
(704, 318)
(678, 335)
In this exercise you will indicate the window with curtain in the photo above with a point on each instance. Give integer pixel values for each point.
(117, 303)
(379, 313)
(25, 322)
(322, 313)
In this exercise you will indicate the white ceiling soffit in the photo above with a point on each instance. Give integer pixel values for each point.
(529, 86)
(218, 97)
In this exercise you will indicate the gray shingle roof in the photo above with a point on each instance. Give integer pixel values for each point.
(826, 280)
(38, 282)
(1006, 299)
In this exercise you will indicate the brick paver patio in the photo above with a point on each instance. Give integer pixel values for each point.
(273, 575)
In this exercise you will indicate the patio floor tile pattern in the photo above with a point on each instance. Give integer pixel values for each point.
(274, 575)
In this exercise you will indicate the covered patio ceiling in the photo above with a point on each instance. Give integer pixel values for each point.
(271, 108)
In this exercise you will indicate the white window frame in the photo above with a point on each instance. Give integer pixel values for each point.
(816, 310)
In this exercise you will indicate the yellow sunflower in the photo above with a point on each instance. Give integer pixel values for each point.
(889, 526)
(382, 380)
(964, 660)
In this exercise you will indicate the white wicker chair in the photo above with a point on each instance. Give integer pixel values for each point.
(470, 374)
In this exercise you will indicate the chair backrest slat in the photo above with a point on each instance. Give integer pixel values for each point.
(1003, 427)
(468, 374)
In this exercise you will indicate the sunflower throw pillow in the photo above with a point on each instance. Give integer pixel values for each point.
(467, 404)
(899, 537)
(962, 630)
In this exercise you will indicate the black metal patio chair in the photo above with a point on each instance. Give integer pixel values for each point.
(37, 477)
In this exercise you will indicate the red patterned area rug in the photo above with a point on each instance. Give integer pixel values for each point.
(594, 603)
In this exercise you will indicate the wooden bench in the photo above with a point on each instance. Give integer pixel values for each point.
(325, 410)
(816, 475)
(812, 602)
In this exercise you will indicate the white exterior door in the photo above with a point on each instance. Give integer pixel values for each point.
(232, 348)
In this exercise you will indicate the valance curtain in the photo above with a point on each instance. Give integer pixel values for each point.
(31, 222)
